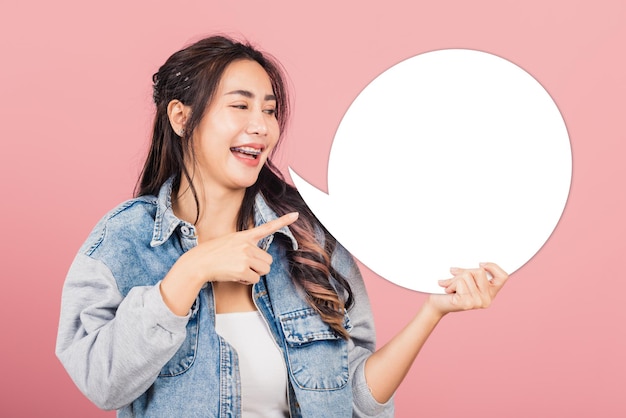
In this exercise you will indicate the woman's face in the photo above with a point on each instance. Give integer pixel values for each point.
(239, 128)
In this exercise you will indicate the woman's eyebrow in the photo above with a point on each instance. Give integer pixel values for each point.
(250, 95)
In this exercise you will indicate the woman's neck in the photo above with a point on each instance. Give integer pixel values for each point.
(219, 209)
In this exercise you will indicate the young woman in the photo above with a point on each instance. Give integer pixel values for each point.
(215, 292)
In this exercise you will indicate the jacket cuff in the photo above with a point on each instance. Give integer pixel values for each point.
(364, 400)
(153, 301)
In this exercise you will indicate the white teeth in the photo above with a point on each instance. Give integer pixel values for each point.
(247, 150)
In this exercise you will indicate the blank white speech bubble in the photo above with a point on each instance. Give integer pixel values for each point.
(447, 159)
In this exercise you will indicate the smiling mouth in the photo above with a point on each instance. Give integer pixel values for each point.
(247, 152)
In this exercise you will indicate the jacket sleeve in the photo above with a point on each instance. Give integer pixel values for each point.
(363, 339)
(113, 347)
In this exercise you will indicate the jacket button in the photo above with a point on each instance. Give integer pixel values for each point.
(185, 230)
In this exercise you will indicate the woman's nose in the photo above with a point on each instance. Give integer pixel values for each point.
(257, 124)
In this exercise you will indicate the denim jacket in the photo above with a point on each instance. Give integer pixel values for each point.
(126, 350)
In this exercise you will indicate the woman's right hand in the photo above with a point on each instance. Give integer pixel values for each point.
(233, 257)
(236, 256)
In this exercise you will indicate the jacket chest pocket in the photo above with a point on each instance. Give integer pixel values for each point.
(186, 354)
(317, 357)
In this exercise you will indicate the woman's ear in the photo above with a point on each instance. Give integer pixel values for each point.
(177, 113)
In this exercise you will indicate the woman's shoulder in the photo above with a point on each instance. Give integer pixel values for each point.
(137, 206)
(130, 220)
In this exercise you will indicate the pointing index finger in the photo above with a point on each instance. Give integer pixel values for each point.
(270, 227)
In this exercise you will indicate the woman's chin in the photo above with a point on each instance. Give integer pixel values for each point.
(244, 182)
(246, 178)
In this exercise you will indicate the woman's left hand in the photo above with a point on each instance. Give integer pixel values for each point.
(469, 289)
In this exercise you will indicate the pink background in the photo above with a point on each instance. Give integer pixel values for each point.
(76, 112)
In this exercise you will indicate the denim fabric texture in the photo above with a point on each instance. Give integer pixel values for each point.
(126, 350)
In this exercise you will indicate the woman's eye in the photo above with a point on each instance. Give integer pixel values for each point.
(270, 111)
(240, 106)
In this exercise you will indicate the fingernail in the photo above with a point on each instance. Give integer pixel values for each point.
(453, 269)
(482, 264)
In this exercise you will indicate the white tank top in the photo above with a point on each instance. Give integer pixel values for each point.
(261, 366)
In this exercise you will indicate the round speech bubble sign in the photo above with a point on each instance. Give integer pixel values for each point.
(447, 159)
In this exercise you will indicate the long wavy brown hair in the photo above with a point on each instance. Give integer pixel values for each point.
(192, 76)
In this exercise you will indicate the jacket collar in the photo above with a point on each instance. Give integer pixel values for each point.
(165, 222)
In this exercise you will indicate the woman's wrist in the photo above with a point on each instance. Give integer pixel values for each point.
(430, 309)
(191, 271)
(181, 286)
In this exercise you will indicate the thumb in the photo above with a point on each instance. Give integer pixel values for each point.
(499, 275)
